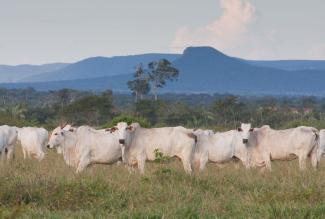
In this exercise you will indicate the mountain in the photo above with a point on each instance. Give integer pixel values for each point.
(204, 69)
(99, 67)
(17, 73)
(290, 65)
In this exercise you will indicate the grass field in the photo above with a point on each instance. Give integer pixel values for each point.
(50, 189)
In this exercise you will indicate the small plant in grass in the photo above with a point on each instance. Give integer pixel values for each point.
(160, 157)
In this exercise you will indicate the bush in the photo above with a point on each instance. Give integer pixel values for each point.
(128, 119)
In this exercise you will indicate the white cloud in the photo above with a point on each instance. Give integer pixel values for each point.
(228, 31)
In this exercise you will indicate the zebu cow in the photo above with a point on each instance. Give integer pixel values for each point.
(32, 141)
(8, 139)
(139, 144)
(267, 144)
(222, 146)
(84, 146)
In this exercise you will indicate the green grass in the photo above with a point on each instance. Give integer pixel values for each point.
(50, 189)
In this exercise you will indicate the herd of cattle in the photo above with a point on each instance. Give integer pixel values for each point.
(134, 145)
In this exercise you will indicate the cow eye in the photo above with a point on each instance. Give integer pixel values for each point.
(239, 129)
(56, 134)
(251, 129)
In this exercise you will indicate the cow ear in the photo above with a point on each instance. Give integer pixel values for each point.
(111, 130)
(130, 128)
(239, 129)
(252, 129)
(71, 130)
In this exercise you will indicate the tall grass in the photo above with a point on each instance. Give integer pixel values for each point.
(50, 189)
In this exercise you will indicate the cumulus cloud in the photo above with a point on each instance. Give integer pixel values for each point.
(226, 32)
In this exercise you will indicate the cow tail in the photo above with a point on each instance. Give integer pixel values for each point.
(315, 150)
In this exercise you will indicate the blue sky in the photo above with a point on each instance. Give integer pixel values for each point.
(39, 31)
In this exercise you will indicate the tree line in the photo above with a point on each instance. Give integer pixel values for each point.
(103, 109)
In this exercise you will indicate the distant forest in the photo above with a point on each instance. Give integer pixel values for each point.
(28, 107)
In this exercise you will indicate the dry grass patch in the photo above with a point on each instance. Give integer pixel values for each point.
(32, 189)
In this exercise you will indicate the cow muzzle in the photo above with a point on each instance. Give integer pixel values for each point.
(121, 141)
(245, 141)
(48, 146)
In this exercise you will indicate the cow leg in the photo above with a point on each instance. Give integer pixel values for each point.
(40, 156)
(267, 161)
(82, 165)
(84, 162)
(141, 163)
(130, 169)
(314, 160)
(187, 165)
(302, 162)
(10, 154)
(236, 164)
(203, 161)
(24, 153)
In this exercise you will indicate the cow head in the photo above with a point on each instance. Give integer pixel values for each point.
(57, 136)
(245, 130)
(122, 129)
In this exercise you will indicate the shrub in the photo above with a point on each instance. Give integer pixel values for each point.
(128, 119)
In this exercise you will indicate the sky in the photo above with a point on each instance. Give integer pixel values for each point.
(46, 31)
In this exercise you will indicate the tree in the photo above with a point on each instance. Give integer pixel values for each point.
(64, 97)
(16, 112)
(160, 72)
(140, 85)
(92, 110)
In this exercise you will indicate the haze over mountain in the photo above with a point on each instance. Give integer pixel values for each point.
(17, 73)
(99, 67)
(202, 69)
(290, 65)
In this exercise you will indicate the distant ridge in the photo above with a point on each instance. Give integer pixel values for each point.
(99, 67)
(202, 69)
(9, 73)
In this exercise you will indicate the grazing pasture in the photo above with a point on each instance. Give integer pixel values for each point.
(51, 189)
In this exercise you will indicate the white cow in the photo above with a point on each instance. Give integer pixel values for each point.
(222, 146)
(8, 139)
(267, 144)
(32, 141)
(84, 146)
(139, 144)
